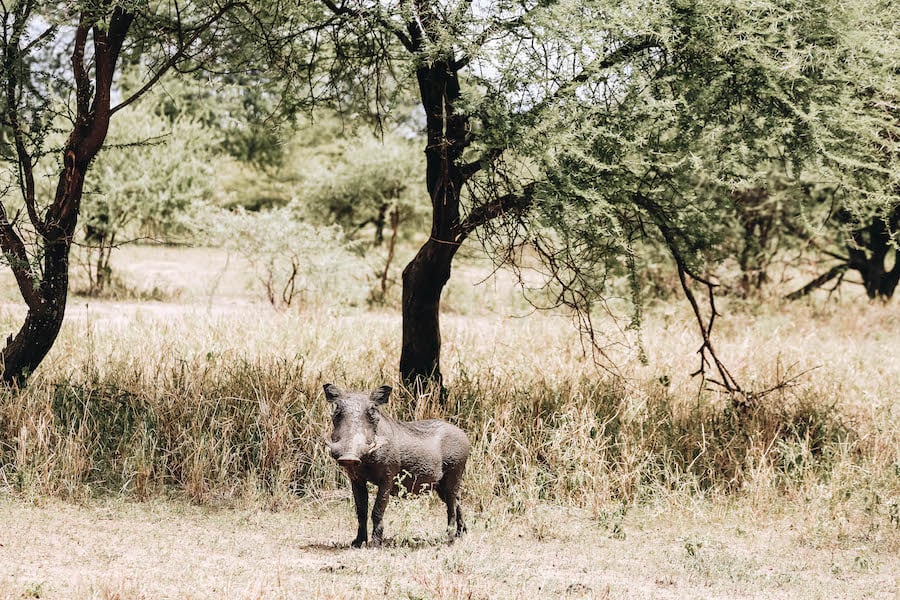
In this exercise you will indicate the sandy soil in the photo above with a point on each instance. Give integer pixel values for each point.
(168, 549)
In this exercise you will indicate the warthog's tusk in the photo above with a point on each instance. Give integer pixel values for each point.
(328, 442)
(374, 446)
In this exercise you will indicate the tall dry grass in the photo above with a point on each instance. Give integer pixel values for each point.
(226, 406)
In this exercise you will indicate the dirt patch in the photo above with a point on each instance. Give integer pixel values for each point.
(173, 550)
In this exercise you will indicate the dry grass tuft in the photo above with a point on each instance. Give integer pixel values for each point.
(219, 407)
(219, 403)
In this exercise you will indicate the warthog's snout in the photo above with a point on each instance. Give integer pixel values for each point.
(348, 461)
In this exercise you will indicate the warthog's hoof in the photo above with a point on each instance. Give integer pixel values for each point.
(358, 542)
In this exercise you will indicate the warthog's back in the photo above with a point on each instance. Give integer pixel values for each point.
(430, 449)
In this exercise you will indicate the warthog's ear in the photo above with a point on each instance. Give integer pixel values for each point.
(331, 392)
(381, 395)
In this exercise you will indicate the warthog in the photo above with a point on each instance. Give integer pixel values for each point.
(394, 455)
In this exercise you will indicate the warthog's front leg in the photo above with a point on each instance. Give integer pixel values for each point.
(381, 500)
(361, 499)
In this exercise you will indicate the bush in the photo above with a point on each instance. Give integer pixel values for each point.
(289, 257)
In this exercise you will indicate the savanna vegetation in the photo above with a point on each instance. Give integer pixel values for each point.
(669, 331)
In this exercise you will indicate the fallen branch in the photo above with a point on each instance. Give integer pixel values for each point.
(835, 271)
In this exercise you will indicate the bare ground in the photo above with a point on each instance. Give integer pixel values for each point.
(169, 549)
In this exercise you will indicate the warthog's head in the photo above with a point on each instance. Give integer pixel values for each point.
(355, 419)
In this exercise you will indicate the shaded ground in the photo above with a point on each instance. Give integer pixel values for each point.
(114, 549)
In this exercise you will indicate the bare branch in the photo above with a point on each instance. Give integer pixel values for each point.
(707, 352)
(495, 28)
(107, 45)
(481, 214)
(82, 82)
(818, 281)
(379, 18)
(15, 253)
(177, 56)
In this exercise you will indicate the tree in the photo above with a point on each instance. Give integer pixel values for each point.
(862, 211)
(859, 203)
(42, 92)
(371, 177)
(371, 183)
(577, 129)
(42, 276)
(289, 257)
(869, 248)
(150, 174)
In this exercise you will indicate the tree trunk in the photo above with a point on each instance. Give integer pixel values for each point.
(448, 134)
(426, 275)
(24, 352)
(868, 256)
(46, 297)
(47, 301)
(424, 279)
(392, 245)
(379, 224)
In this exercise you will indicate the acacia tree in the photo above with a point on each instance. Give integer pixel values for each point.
(575, 129)
(848, 209)
(862, 219)
(870, 249)
(445, 46)
(149, 174)
(60, 61)
(867, 245)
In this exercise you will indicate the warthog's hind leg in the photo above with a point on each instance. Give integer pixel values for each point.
(448, 491)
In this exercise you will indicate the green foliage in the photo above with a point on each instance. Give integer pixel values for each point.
(727, 97)
(150, 172)
(288, 256)
(369, 176)
(243, 113)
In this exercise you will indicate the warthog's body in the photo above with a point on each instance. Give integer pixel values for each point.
(394, 455)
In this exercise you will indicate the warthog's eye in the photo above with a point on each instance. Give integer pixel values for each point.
(372, 414)
(336, 414)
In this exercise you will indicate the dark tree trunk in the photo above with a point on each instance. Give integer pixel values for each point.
(424, 279)
(24, 352)
(869, 254)
(426, 275)
(379, 224)
(446, 173)
(46, 297)
(47, 301)
(757, 220)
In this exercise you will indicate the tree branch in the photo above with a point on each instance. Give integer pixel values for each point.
(15, 253)
(496, 27)
(379, 18)
(626, 50)
(707, 352)
(82, 82)
(25, 162)
(818, 281)
(483, 213)
(177, 56)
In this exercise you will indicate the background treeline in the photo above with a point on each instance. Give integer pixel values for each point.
(578, 144)
(641, 168)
